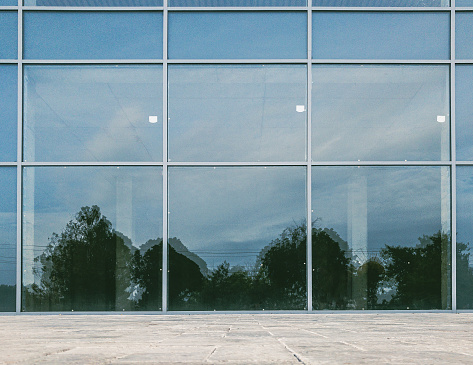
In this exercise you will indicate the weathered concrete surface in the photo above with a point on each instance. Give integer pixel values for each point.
(420, 338)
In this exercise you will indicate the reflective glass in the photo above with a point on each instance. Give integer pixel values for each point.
(384, 3)
(464, 237)
(381, 238)
(237, 3)
(464, 35)
(8, 2)
(93, 2)
(464, 111)
(8, 112)
(380, 112)
(238, 35)
(237, 238)
(8, 34)
(381, 35)
(92, 238)
(464, 3)
(7, 239)
(93, 113)
(93, 35)
(237, 113)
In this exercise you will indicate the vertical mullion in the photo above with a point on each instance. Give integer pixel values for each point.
(453, 159)
(19, 158)
(165, 161)
(309, 158)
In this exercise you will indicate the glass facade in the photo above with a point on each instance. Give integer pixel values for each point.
(223, 155)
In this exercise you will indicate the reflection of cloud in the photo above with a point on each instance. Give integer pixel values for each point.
(223, 209)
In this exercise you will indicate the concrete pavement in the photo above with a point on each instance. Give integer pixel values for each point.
(345, 338)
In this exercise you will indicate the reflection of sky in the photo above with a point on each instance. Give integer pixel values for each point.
(8, 112)
(93, 113)
(130, 198)
(93, 35)
(465, 207)
(93, 2)
(380, 113)
(464, 112)
(237, 2)
(8, 226)
(401, 204)
(8, 34)
(388, 35)
(463, 35)
(218, 35)
(220, 212)
(237, 113)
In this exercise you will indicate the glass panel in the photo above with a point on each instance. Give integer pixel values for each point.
(237, 238)
(239, 3)
(464, 237)
(92, 238)
(8, 34)
(464, 35)
(381, 35)
(464, 111)
(381, 238)
(380, 112)
(384, 3)
(8, 239)
(8, 2)
(93, 35)
(218, 35)
(93, 2)
(93, 113)
(237, 113)
(464, 3)
(8, 112)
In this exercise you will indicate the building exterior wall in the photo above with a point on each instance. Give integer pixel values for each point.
(221, 128)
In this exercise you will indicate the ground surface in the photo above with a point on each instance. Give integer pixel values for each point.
(420, 338)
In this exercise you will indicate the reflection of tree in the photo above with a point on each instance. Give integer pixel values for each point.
(83, 268)
(464, 277)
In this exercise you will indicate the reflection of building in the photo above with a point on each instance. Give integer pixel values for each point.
(223, 127)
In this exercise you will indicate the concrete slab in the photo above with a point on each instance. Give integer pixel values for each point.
(345, 338)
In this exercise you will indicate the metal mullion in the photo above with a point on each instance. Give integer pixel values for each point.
(381, 163)
(6, 8)
(94, 62)
(238, 61)
(19, 158)
(464, 163)
(467, 61)
(89, 163)
(381, 9)
(246, 9)
(453, 169)
(309, 161)
(92, 9)
(165, 162)
(376, 61)
(237, 164)
(4, 163)
(13, 62)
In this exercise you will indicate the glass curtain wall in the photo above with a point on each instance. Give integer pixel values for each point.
(223, 155)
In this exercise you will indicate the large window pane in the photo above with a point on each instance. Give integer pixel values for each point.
(93, 2)
(92, 238)
(380, 112)
(386, 3)
(464, 237)
(218, 35)
(464, 3)
(93, 35)
(7, 239)
(239, 3)
(237, 238)
(8, 34)
(381, 238)
(380, 35)
(237, 113)
(8, 112)
(464, 112)
(93, 113)
(464, 35)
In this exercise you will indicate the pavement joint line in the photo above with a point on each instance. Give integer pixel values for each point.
(354, 346)
(211, 353)
(315, 333)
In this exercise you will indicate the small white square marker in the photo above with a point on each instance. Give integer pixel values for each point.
(153, 119)
(441, 118)
(300, 108)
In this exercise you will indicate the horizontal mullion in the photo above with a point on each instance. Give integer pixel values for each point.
(466, 61)
(381, 8)
(386, 61)
(238, 61)
(463, 8)
(237, 8)
(11, 7)
(382, 163)
(236, 164)
(65, 164)
(93, 8)
(8, 164)
(13, 62)
(100, 61)
(464, 163)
